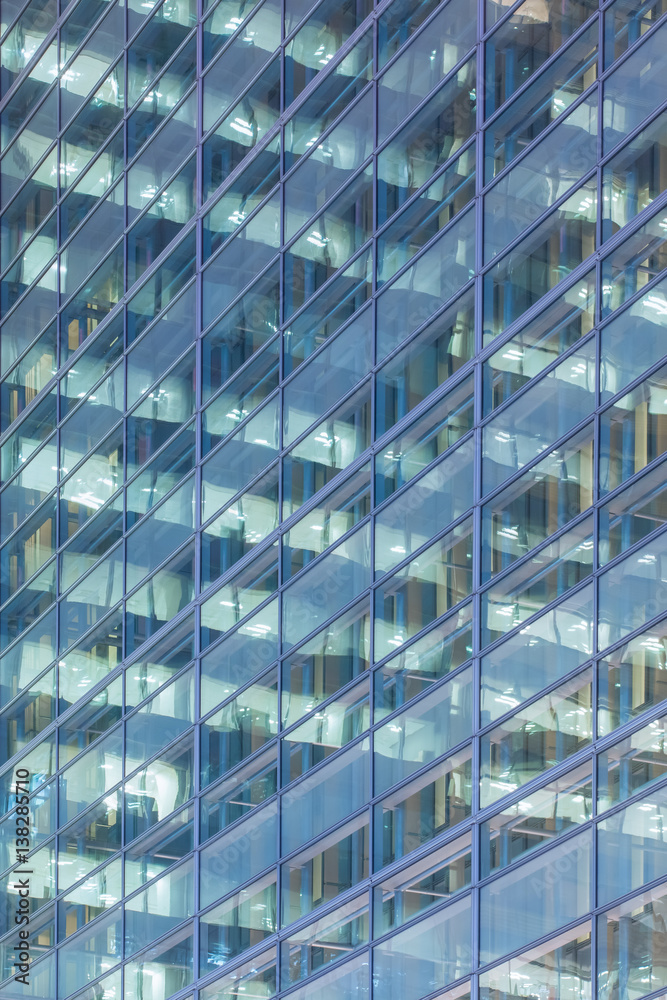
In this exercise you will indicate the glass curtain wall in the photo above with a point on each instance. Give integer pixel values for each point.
(333, 499)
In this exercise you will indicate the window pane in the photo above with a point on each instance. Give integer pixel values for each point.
(536, 898)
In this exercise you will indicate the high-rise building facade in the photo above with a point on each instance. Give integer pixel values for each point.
(333, 578)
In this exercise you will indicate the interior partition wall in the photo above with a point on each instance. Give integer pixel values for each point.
(333, 461)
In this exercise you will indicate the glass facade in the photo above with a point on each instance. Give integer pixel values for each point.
(333, 473)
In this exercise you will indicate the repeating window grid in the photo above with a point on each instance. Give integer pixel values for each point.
(411, 415)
